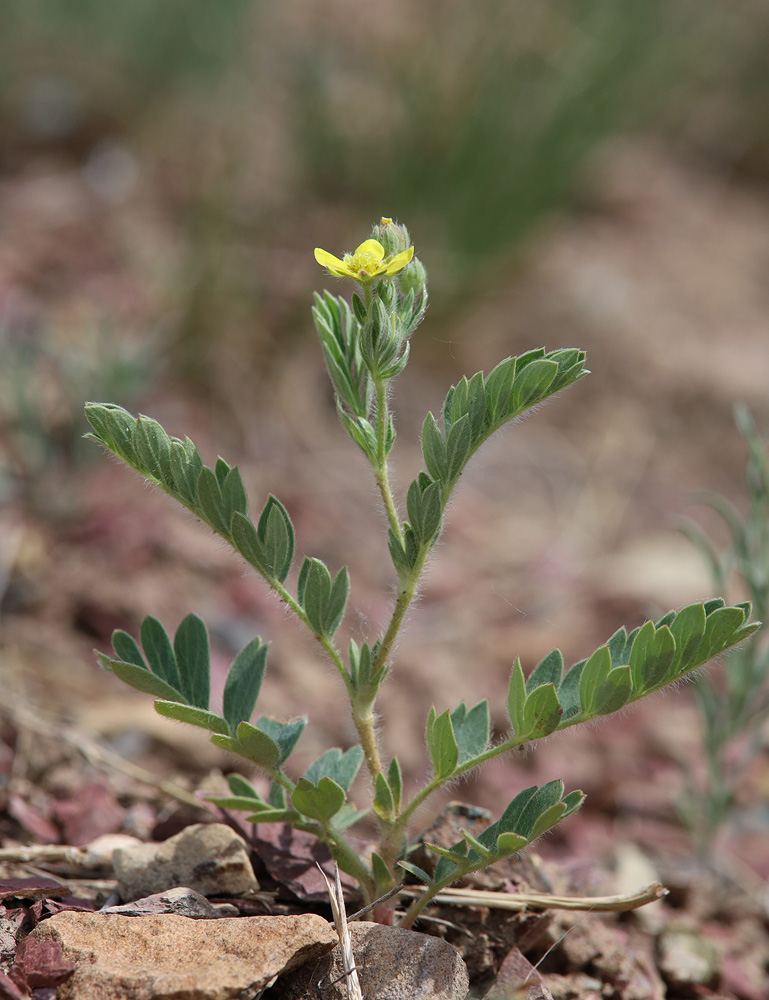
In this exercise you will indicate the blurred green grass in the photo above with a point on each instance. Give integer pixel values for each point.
(263, 130)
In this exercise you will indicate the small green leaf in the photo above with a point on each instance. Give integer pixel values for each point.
(275, 816)
(542, 712)
(285, 734)
(334, 612)
(531, 385)
(243, 803)
(434, 450)
(160, 652)
(442, 745)
(339, 766)
(720, 625)
(395, 781)
(498, 390)
(594, 673)
(242, 788)
(471, 729)
(211, 502)
(661, 655)
(614, 692)
(516, 698)
(221, 471)
(416, 871)
(642, 645)
(192, 715)
(548, 819)
(120, 425)
(619, 649)
(458, 445)
(193, 660)
(544, 797)
(476, 845)
(454, 857)
(323, 600)
(510, 820)
(246, 541)
(276, 534)
(96, 415)
(321, 801)
(227, 743)
(509, 843)
(382, 874)
(258, 746)
(384, 803)
(423, 506)
(234, 494)
(140, 678)
(127, 648)
(568, 692)
(153, 449)
(244, 682)
(548, 671)
(185, 469)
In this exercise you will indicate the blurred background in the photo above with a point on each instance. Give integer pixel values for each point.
(586, 174)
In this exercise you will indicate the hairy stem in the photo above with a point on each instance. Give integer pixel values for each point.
(432, 786)
(381, 472)
(364, 721)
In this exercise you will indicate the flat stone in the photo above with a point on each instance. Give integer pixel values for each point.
(392, 964)
(168, 957)
(208, 857)
(181, 900)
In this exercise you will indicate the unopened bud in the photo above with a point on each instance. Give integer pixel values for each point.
(413, 277)
(393, 237)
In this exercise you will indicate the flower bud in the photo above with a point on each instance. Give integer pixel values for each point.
(413, 277)
(393, 237)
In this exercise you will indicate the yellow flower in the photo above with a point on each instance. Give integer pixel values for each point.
(367, 263)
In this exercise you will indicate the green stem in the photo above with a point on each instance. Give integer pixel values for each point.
(381, 471)
(362, 715)
(326, 643)
(432, 786)
(363, 719)
(349, 861)
(405, 596)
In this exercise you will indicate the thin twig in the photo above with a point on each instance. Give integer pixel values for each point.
(543, 901)
(359, 913)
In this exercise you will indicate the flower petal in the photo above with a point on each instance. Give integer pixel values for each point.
(399, 261)
(332, 264)
(373, 247)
